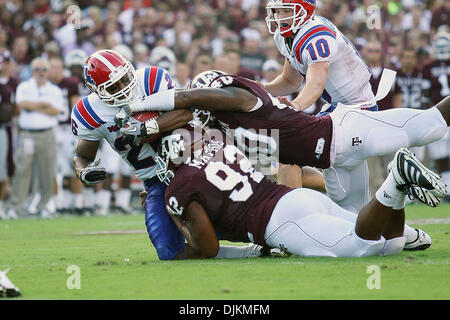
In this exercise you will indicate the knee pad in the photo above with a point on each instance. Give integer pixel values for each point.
(393, 246)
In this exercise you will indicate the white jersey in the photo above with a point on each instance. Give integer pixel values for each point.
(320, 41)
(93, 120)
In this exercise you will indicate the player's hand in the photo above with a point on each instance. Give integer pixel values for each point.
(286, 101)
(143, 195)
(132, 131)
(122, 116)
(94, 173)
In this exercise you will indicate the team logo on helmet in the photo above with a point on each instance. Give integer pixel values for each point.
(311, 2)
(88, 77)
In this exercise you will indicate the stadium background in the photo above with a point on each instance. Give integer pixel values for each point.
(190, 36)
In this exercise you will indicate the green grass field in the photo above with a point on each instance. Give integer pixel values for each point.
(124, 265)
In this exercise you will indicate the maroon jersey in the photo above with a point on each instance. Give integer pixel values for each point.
(238, 200)
(303, 139)
(436, 81)
(409, 85)
(69, 86)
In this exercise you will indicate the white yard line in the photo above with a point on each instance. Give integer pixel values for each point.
(429, 221)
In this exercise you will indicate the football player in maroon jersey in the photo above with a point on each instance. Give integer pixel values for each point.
(339, 142)
(213, 187)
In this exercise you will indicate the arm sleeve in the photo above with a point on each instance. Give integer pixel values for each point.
(81, 131)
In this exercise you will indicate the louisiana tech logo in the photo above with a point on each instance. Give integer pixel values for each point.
(88, 77)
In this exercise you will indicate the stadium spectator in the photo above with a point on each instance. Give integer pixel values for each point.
(141, 52)
(252, 57)
(40, 102)
(441, 16)
(6, 112)
(182, 75)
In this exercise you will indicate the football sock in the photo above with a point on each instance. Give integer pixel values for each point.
(389, 195)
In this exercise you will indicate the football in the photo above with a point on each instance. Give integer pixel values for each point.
(144, 116)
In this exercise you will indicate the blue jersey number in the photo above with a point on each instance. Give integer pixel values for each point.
(322, 49)
(134, 152)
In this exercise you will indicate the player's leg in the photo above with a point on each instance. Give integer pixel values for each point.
(361, 134)
(161, 229)
(348, 187)
(20, 184)
(308, 223)
(46, 158)
(406, 171)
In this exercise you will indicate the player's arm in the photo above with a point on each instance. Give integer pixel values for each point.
(285, 83)
(198, 231)
(83, 162)
(227, 99)
(316, 78)
(167, 121)
(172, 120)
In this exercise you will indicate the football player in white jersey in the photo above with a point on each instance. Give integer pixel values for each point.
(316, 50)
(114, 83)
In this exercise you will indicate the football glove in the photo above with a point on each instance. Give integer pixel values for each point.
(134, 130)
(122, 116)
(94, 173)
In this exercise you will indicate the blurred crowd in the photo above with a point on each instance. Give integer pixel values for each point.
(185, 37)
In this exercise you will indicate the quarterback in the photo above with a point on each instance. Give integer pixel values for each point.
(114, 83)
(315, 50)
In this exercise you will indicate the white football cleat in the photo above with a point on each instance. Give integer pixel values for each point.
(422, 242)
(429, 197)
(7, 288)
(416, 180)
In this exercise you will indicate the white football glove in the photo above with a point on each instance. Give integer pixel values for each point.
(133, 131)
(94, 173)
(122, 116)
